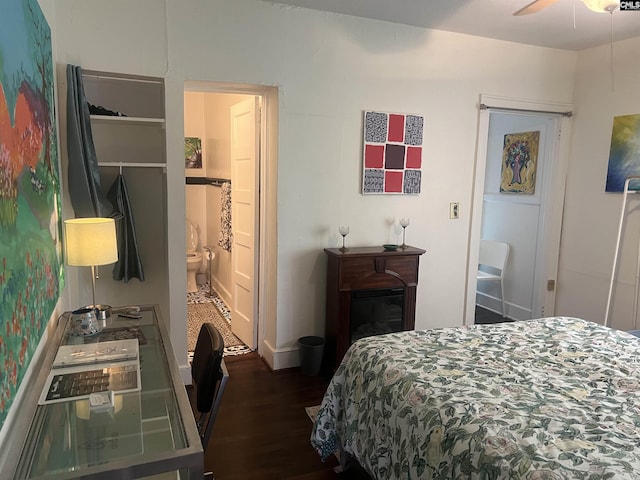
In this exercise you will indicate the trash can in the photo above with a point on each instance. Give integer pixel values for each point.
(311, 350)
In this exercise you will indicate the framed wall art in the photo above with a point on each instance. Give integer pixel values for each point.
(519, 163)
(392, 153)
(193, 157)
(624, 154)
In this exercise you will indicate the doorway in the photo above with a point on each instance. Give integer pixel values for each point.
(223, 197)
(529, 222)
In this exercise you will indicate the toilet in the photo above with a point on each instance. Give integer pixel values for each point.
(194, 257)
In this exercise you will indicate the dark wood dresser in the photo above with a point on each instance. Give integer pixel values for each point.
(370, 291)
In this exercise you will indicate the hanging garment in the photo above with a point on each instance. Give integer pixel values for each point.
(129, 264)
(83, 174)
(226, 237)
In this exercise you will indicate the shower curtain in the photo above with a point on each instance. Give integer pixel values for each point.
(226, 237)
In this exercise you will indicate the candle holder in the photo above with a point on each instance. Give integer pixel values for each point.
(404, 223)
(344, 231)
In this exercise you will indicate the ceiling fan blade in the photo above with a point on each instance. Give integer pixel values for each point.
(534, 7)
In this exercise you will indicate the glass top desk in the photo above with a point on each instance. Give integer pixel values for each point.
(150, 433)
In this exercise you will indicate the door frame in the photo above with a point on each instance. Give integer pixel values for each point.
(265, 267)
(552, 217)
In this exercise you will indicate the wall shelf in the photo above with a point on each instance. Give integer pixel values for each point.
(114, 120)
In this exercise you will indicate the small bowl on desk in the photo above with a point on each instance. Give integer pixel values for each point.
(85, 322)
(390, 247)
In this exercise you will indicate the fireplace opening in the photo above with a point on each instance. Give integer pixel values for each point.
(375, 312)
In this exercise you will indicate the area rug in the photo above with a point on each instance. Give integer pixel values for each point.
(206, 295)
(199, 313)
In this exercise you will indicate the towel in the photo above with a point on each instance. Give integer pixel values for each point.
(129, 263)
(226, 236)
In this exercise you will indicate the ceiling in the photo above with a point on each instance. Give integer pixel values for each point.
(552, 27)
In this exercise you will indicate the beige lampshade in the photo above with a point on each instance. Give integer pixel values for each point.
(91, 241)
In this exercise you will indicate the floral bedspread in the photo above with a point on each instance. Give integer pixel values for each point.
(554, 398)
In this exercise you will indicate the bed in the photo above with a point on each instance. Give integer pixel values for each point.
(546, 399)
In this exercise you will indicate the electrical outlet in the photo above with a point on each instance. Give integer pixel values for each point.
(454, 210)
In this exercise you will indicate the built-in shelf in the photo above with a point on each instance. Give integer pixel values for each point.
(115, 120)
(122, 165)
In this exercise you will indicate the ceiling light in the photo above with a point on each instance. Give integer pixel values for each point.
(602, 6)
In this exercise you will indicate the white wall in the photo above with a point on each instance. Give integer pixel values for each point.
(591, 216)
(328, 69)
(206, 115)
(196, 195)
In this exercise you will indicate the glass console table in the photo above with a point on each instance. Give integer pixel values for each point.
(149, 433)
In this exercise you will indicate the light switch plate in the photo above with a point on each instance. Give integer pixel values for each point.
(454, 210)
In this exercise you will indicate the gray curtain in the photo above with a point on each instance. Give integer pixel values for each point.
(83, 175)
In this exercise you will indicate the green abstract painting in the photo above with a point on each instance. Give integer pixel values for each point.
(624, 155)
(31, 267)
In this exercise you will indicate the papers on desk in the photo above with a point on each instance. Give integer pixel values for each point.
(80, 370)
(102, 352)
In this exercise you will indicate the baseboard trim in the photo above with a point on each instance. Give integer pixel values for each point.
(280, 358)
(515, 312)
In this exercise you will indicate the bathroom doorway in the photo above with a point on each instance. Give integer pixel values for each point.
(223, 198)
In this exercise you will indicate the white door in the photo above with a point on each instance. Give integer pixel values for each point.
(245, 146)
(536, 252)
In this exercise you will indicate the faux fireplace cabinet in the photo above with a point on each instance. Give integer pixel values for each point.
(370, 291)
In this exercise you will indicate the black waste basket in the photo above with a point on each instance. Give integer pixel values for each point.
(311, 349)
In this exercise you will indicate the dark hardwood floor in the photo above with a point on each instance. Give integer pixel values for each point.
(262, 430)
(484, 316)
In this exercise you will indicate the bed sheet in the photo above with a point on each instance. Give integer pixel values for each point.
(553, 398)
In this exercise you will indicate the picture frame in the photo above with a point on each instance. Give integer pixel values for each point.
(194, 158)
(519, 163)
(392, 154)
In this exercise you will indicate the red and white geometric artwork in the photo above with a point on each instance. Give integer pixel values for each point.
(392, 157)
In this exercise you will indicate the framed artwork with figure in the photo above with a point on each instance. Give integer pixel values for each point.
(520, 163)
(194, 164)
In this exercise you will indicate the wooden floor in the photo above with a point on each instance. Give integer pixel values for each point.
(262, 430)
(484, 316)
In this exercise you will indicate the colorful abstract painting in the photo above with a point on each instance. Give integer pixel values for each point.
(520, 162)
(392, 157)
(624, 155)
(31, 267)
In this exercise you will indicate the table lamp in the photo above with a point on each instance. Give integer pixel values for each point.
(91, 242)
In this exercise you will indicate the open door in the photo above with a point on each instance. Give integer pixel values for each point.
(245, 146)
(530, 223)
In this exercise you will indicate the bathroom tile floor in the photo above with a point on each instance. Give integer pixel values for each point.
(203, 296)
